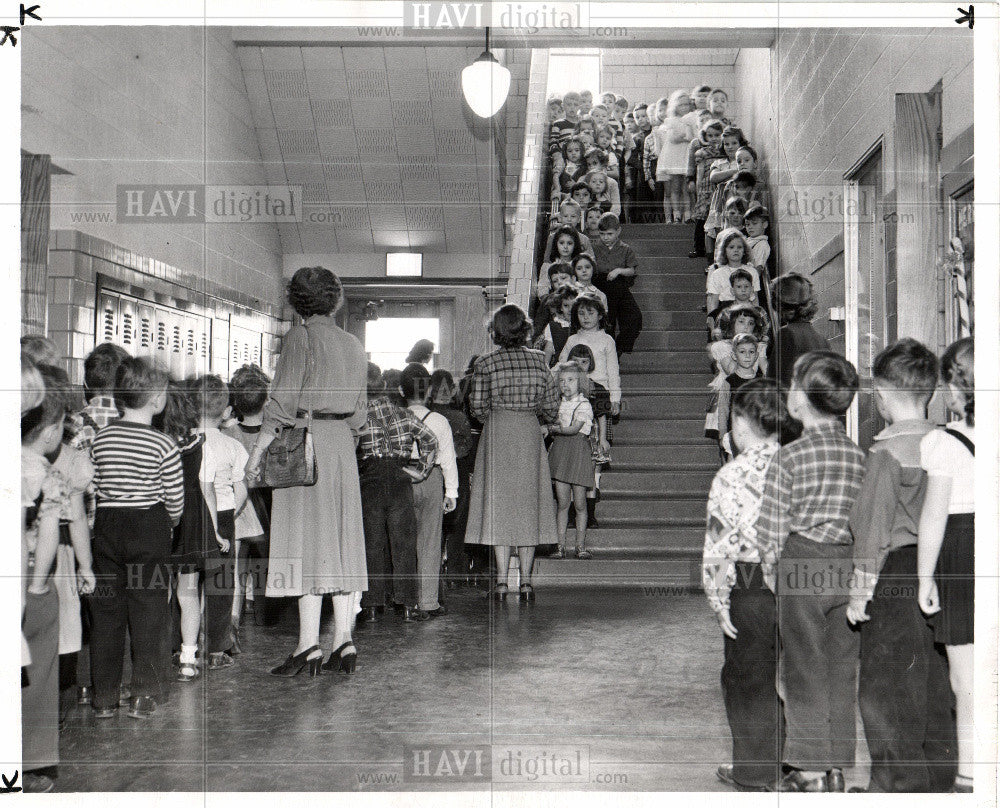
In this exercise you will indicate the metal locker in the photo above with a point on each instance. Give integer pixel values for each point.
(128, 328)
(106, 325)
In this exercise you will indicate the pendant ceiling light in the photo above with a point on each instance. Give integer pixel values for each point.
(485, 83)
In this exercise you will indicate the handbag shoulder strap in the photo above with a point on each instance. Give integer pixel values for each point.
(963, 439)
(424, 416)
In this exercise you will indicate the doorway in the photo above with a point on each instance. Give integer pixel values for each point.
(867, 323)
(388, 339)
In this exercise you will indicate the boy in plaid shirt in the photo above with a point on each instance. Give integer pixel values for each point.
(809, 491)
(384, 451)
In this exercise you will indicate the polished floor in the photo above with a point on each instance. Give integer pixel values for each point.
(596, 689)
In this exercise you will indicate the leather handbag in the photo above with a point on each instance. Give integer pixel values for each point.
(290, 459)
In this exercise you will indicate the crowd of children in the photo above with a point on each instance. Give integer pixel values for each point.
(134, 496)
(838, 576)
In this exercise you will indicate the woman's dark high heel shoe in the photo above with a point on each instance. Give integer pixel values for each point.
(296, 663)
(499, 593)
(527, 593)
(341, 662)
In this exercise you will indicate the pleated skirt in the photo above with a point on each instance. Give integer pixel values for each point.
(317, 537)
(511, 501)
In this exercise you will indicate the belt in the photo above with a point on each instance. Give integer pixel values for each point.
(325, 416)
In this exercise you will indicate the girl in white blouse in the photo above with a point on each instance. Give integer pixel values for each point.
(588, 320)
(946, 541)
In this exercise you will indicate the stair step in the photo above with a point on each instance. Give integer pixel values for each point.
(632, 455)
(657, 231)
(668, 339)
(667, 299)
(679, 320)
(651, 512)
(678, 575)
(665, 382)
(658, 360)
(680, 282)
(654, 406)
(672, 541)
(659, 431)
(622, 483)
(667, 264)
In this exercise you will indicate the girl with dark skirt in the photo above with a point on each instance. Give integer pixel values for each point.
(946, 542)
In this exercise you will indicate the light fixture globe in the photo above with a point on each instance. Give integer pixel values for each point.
(485, 84)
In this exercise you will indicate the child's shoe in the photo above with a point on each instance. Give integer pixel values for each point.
(220, 660)
(124, 695)
(559, 553)
(584, 555)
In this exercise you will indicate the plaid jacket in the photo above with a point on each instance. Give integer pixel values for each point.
(391, 432)
(514, 379)
(810, 489)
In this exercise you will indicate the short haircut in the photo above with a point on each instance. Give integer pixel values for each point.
(792, 294)
(739, 339)
(40, 348)
(211, 395)
(414, 381)
(758, 212)
(569, 204)
(745, 177)
(607, 129)
(621, 101)
(909, 367)
(762, 402)
(702, 88)
(588, 120)
(601, 107)
(734, 131)
(566, 143)
(828, 380)
(724, 93)
(595, 151)
(100, 368)
(628, 116)
(640, 107)
(248, 390)
(55, 405)
(712, 126)
(314, 290)
(510, 327)
(572, 95)
(609, 222)
(376, 383)
(750, 150)
(573, 369)
(736, 203)
(558, 268)
(585, 257)
(180, 414)
(578, 185)
(588, 302)
(582, 351)
(562, 295)
(957, 368)
(594, 209)
(740, 275)
(137, 381)
(440, 378)
(727, 320)
(390, 386)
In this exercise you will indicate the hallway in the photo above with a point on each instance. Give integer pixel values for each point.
(629, 677)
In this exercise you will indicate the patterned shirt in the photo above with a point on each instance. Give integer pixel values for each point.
(730, 529)
(559, 132)
(702, 159)
(391, 432)
(515, 379)
(99, 412)
(137, 466)
(810, 489)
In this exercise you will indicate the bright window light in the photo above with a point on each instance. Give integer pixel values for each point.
(403, 265)
(388, 339)
(574, 69)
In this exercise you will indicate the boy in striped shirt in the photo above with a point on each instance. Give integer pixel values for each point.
(140, 497)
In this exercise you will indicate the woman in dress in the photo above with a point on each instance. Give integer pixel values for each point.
(317, 541)
(795, 307)
(511, 503)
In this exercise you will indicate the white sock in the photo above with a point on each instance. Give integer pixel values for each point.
(189, 654)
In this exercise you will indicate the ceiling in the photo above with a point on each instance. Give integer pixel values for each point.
(382, 144)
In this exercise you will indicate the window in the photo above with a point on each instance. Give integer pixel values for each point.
(574, 69)
(388, 339)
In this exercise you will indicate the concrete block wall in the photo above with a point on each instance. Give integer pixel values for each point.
(131, 105)
(648, 74)
(821, 98)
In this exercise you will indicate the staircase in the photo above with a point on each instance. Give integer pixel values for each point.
(652, 509)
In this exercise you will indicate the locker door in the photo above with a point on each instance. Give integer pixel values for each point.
(106, 325)
(161, 337)
(146, 315)
(175, 332)
(128, 330)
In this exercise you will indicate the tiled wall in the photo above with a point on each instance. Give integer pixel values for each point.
(76, 262)
(131, 105)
